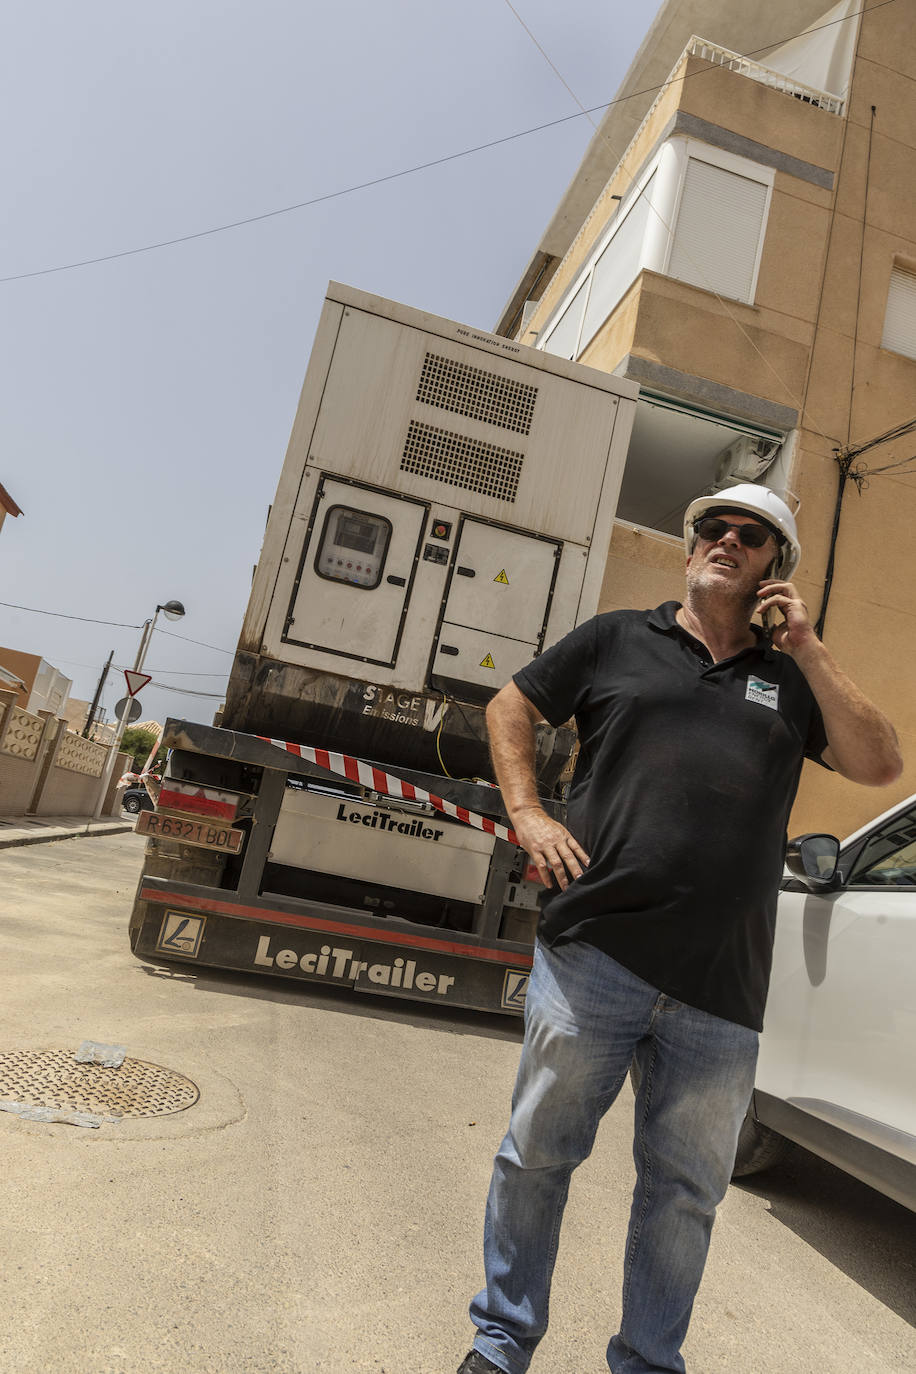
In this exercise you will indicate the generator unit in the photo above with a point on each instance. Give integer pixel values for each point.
(443, 515)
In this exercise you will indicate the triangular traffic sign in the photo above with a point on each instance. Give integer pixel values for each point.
(135, 681)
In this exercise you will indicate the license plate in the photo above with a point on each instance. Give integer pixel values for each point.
(202, 833)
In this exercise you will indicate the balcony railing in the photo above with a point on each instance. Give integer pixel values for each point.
(734, 62)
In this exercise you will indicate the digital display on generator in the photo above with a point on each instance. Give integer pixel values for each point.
(353, 546)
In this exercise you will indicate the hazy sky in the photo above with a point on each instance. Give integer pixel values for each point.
(147, 401)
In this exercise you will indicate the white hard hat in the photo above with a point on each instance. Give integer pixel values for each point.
(758, 501)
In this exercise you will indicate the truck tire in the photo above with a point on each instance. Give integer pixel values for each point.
(759, 1147)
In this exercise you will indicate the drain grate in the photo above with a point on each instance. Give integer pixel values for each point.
(53, 1078)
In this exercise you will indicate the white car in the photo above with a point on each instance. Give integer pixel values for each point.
(837, 1066)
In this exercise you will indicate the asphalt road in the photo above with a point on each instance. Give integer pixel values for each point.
(320, 1207)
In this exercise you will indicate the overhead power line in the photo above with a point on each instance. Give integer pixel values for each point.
(172, 672)
(86, 619)
(172, 635)
(408, 171)
(187, 691)
(121, 624)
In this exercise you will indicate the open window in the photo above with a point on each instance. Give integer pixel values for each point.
(677, 453)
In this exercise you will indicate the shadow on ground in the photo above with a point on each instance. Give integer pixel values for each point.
(861, 1232)
(343, 1001)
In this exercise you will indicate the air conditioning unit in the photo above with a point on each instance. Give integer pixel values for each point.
(745, 460)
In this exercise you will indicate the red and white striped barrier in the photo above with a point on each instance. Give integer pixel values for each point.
(357, 770)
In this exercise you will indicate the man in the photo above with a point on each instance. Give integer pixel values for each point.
(656, 935)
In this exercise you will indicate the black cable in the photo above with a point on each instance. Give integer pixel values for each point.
(406, 171)
(87, 619)
(315, 200)
(172, 635)
(844, 457)
(186, 691)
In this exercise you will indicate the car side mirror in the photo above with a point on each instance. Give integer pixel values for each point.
(814, 859)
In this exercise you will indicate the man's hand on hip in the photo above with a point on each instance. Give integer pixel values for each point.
(549, 845)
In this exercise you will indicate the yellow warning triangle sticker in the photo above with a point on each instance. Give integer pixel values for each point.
(488, 662)
(501, 577)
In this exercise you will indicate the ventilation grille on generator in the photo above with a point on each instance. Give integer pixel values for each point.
(461, 462)
(479, 394)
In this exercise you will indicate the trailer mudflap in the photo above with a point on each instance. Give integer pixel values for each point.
(330, 945)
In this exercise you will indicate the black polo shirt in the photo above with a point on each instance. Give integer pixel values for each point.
(686, 774)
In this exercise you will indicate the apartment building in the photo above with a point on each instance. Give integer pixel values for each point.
(740, 239)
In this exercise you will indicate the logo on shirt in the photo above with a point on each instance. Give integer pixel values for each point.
(763, 693)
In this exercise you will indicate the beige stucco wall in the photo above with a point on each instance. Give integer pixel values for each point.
(857, 391)
(34, 778)
(643, 570)
(810, 341)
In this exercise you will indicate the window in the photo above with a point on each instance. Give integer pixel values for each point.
(717, 237)
(889, 856)
(900, 317)
(617, 265)
(563, 339)
(697, 214)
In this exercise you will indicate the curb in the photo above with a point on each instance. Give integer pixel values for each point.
(50, 835)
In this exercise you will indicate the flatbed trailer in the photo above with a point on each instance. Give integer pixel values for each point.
(200, 904)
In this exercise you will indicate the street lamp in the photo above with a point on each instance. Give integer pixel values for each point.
(172, 610)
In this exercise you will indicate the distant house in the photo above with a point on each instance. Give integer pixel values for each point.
(9, 681)
(7, 505)
(38, 684)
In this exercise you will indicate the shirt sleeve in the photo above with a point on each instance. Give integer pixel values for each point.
(816, 741)
(557, 682)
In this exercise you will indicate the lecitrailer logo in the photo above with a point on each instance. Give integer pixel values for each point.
(345, 965)
(393, 823)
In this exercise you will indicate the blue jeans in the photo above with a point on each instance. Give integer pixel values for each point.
(586, 1018)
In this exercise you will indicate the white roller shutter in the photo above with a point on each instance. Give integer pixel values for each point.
(900, 317)
(719, 229)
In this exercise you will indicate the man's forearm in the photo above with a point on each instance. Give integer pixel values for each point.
(862, 742)
(511, 721)
(513, 743)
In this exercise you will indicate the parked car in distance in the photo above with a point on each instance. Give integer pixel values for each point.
(837, 1054)
(136, 799)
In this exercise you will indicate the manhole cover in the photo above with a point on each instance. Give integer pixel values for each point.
(53, 1078)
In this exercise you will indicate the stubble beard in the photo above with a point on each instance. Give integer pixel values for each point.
(708, 591)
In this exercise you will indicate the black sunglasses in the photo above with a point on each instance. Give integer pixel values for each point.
(711, 528)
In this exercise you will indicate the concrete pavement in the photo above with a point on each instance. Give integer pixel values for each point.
(18, 830)
(319, 1210)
